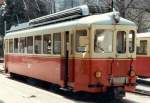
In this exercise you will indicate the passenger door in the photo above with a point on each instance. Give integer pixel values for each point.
(121, 63)
(68, 73)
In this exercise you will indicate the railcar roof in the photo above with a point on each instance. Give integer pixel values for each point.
(99, 19)
(143, 35)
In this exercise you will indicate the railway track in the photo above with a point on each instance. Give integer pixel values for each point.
(142, 84)
(143, 87)
(142, 92)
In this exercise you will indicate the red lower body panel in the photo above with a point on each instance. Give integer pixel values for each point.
(81, 72)
(42, 68)
(143, 66)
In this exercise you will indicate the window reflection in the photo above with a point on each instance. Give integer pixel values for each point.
(103, 41)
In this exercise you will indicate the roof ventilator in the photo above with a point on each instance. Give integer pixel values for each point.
(69, 14)
(65, 15)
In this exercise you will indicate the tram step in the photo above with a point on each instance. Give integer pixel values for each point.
(66, 89)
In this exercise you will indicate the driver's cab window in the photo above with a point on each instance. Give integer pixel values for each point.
(103, 41)
(81, 40)
(121, 42)
(131, 41)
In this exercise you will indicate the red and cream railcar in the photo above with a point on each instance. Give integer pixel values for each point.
(89, 54)
(143, 55)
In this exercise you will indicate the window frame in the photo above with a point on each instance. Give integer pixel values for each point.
(102, 55)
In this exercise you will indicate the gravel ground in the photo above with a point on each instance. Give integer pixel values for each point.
(14, 91)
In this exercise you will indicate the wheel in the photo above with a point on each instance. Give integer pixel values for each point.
(116, 93)
(12, 75)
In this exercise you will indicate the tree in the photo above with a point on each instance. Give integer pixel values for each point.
(14, 12)
(19, 11)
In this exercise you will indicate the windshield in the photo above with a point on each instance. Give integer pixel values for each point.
(103, 41)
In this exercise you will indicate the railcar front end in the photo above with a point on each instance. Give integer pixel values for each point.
(109, 66)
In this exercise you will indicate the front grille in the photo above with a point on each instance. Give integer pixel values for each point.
(119, 80)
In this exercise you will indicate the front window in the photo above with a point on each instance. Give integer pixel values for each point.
(103, 41)
(131, 41)
(142, 49)
(121, 42)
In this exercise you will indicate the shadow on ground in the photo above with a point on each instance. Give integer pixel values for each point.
(1, 101)
(80, 97)
(2, 72)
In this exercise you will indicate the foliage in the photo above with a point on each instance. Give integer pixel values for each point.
(19, 11)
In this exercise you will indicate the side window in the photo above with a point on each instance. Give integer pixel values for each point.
(10, 45)
(30, 44)
(81, 40)
(131, 41)
(142, 50)
(37, 44)
(72, 42)
(47, 44)
(16, 45)
(6, 46)
(57, 43)
(103, 41)
(121, 42)
(22, 45)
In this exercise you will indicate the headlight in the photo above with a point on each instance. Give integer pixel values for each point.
(98, 74)
(116, 17)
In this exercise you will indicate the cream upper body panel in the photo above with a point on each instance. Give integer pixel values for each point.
(143, 35)
(101, 19)
(141, 38)
(89, 23)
